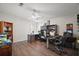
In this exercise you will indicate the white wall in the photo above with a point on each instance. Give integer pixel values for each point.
(61, 22)
(21, 27)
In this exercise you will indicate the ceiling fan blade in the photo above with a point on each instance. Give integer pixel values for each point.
(26, 6)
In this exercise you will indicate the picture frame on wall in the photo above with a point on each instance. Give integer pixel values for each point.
(78, 22)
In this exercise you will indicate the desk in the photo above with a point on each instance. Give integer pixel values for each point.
(48, 39)
(31, 38)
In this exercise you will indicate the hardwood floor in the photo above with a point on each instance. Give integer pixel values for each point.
(35, 48)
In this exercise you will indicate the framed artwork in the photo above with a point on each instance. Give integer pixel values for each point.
(78, 22)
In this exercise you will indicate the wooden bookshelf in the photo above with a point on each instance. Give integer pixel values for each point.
(6, 28)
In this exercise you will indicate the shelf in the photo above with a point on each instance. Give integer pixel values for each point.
(6, 28)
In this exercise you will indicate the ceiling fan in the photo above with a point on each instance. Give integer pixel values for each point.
(21, 4)
(28, 7)
(35, 13)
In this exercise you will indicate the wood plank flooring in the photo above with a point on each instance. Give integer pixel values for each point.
(35, 48)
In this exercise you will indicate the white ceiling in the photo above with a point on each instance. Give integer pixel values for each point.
(43, 9)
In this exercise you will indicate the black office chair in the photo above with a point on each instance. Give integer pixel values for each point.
(68, 40)
(58, 43)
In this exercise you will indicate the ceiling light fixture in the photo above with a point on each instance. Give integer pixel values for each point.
(35, 16)
(21, 4)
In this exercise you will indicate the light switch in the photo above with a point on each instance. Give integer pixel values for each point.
(77, 41)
